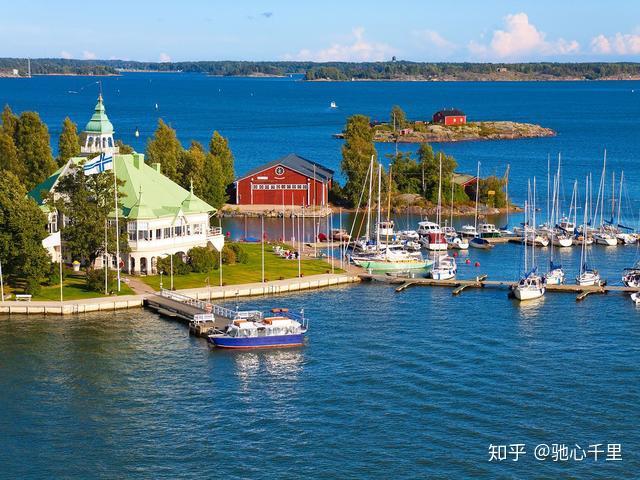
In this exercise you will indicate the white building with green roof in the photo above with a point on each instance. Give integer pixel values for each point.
(160, 216)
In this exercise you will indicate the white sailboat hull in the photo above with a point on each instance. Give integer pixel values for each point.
(528, 293)
(605, 240)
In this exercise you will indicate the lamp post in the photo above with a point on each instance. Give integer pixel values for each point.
(161, 272)
(171, 257)
(1, 284)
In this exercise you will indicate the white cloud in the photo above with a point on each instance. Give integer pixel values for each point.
(622, 44)
(164, 58)
(87, 55)
(521, 38)
(65, 54)
(432, 37)
(360, 50)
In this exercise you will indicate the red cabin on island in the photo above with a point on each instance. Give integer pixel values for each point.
(292, 180)
(450, 116)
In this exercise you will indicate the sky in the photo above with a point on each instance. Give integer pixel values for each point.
(326, 30)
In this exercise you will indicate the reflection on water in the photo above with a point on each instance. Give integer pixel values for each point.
(280, 364)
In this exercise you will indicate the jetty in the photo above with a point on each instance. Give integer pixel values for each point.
(482, 281)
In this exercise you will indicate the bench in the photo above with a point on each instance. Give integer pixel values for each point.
(23, 298)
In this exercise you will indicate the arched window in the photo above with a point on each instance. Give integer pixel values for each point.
(111, 142)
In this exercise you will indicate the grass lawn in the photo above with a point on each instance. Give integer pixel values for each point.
(275, 268)
(74, 288)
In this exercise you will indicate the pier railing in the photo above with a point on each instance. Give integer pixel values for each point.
(211, 308)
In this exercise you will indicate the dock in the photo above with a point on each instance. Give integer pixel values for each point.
(202, 316)
(459, 285)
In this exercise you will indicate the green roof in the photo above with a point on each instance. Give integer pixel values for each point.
(146, 193)
(99, 122)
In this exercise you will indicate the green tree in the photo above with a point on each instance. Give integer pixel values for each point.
(192, 165)
(22, 229)
(400, 117)
(34, 149)
(165, 148)
(492, 192)
(9, 121)
(202, 259)
(430, 164)
(407, 174)
(214, 186)
(9, 156)
(124, 148)
(219, 148)
(68, 142)
(356, 156)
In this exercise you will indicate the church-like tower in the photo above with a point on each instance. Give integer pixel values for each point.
(98, 133)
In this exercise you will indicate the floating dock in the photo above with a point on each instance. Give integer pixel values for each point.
(459, 285)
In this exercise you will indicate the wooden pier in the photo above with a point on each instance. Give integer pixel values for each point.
(481, 281)
(202, 316)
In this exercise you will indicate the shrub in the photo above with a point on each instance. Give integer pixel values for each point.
(95, 280)
(202, 259)
(228, 255)
(180, 267)
(241, 255)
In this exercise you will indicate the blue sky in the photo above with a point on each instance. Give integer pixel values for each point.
(421, 30)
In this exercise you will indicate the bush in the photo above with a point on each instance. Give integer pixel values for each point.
(95, 280)
(180, 267)
(241, 255)
(228, 255)
(202, 259)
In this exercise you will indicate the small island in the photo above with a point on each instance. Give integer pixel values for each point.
(450, 125)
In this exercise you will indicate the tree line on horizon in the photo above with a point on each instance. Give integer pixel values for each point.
(325, 70)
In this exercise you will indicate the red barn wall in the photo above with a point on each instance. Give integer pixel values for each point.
(269, 191)
(455, 120)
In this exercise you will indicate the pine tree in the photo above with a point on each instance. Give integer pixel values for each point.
(219, 147)
(68, 142)
(22, 229)
(34, 150)
(165, 148)
(356, 156)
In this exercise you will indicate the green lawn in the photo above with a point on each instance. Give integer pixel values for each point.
(74, 288)
(275, 268)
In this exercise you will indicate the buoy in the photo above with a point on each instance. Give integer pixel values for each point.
(455, 254)
(137, 134)
(477, 264)
(467, 261)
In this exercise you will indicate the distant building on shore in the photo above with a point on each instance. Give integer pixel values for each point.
(450, 116)
(160, 216)
(290, 180)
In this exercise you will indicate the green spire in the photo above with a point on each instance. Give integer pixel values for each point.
(99, 122)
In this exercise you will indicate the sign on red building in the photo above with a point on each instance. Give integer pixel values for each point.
(290, 180)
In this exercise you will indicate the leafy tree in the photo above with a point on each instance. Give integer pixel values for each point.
(192, 163)
(213, 186)
(34, 150)
(68, 142)
(202, 259)
(498, 199)
(165, 148)
(95, 280)
(124, 148)
(407, 174)
(9, 156)
(356, 156)
(86, 202)
(431, 165)
(219, 148)
(22, 229)
(399, 115)
(180, 267)
(9, 121)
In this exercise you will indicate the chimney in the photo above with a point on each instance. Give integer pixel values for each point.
(156, 167)
(138, 160)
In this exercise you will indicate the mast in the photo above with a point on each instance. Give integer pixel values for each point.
(533, 231)
(439, 209)
(584, 230)
(548, 186)
(620, 198)
(368, 234)
(475, 226)
(526, 214)
(506, 191)
(451, 206)
(613, 194)
(388, 205)
(379, 205)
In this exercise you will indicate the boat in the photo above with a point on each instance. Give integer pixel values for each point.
(602, 236)
(431, 236)
(555, 275)
(587, 275)
(283, 329)
(477, 241)
(390, 259)
(333, 105)
(457, 243)
(480, 243)
(444, 268)
(468, 231)
(137, 132)
(488, 230)
(531, 285)
(385, 229)
(631, 276)
(636, 298)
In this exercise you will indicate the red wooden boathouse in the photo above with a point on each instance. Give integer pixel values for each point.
(291, 179)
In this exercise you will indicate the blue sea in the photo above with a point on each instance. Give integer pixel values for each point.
(418, 384)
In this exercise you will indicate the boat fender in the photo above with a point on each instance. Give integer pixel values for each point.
(477, 264)
(468, 261)
(455, 254)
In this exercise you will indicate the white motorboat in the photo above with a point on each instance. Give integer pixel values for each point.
(468, 231)
(458, 243)
(385, 229)
(488, 230)
(431, 236)
(333, 105)
(631, 276)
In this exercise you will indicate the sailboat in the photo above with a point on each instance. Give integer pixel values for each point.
(555, 275)
(531, 285)
(385, 257)
(619, 230)
(431, 235)
(445, 266)
(602, 236)
(505, 230)
(587, 276)
(477, 241)
(454, 240)
(333, 105)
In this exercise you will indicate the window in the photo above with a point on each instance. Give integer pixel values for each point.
(167, 232)
(178, 231)
(197, 229)
(158, 233)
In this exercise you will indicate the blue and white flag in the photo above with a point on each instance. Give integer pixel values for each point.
(98, 164)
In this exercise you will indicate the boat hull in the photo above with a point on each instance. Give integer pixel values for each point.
(389, 266)
(524, 294)
(244, 343)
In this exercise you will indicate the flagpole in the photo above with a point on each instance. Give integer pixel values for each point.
(106, 261)
(115, 196)
(1, 284)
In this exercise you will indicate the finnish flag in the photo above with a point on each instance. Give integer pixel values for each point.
(98, 164)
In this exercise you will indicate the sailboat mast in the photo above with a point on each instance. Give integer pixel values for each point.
(379, 206)
(451, 206)
(548, 187)
(620, 198)
(533, 231)
(506, 192)
(477, 191)
(613, 194)
(526, 214)
(584, 229)
(439, 210)
(368, 235)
